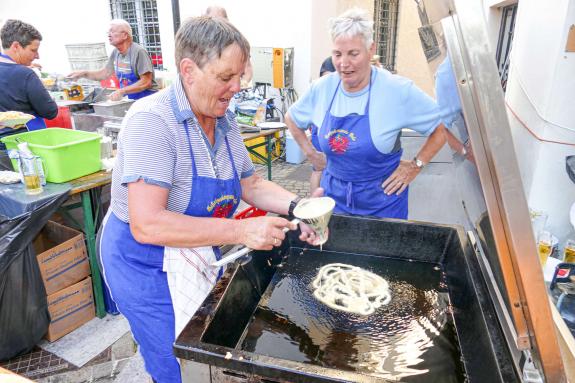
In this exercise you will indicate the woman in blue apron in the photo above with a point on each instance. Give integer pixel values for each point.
(355, 168)
(20, 89)
(361, 111)
(181, 171)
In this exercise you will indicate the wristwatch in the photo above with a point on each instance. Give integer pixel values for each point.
(418, 163)
(292, 206)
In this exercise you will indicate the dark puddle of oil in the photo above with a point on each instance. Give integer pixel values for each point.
(412, 339)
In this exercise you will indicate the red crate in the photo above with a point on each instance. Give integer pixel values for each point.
(62, 120)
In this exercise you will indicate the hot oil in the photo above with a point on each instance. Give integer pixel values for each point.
(412, 338)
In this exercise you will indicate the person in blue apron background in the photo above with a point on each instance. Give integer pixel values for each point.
(130, 63)
(20, 88)
(360, 111)
(181, 170)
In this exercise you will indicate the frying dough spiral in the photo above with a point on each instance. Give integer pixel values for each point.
(351, 289)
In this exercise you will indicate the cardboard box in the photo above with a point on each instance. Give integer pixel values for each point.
(70, 308)
(62, 256)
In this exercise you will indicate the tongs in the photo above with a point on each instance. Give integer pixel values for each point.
(240, 253)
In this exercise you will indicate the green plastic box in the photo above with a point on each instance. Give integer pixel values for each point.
(67, 154)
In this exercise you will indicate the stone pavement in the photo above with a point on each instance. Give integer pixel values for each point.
(294, 178)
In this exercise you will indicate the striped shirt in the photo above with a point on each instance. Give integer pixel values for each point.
(153, 146)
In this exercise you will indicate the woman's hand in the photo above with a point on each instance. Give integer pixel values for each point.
(116, 95)
(263, 233)
(318, 161)
(402, 176)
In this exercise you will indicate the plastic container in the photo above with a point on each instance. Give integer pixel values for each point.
(88, 63)
(250, 212)
(294, 154)
(67, 154)
(86, 51)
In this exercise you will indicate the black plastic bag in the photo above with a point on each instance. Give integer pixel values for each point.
(24, 316)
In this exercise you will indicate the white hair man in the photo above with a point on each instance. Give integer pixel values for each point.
(130, 63)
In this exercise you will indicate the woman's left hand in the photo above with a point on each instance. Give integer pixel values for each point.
(402, 176)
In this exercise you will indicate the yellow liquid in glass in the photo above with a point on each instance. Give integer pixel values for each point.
(544, 249)
(569, 255)
(32, 184)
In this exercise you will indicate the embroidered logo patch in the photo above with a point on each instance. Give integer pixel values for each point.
(339, 140)
(222, 207)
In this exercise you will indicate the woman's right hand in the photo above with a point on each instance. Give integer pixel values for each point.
(263, 233)
(318, 161)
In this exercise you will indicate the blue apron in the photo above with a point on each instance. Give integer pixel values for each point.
(133, 271)
(356, 169)
(128, 78)
(34, 124)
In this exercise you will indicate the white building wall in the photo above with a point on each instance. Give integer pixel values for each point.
(61, 22)
(541, 92)
(271, 23)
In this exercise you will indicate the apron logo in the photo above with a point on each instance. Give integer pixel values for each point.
(339, 140)
(222, 206)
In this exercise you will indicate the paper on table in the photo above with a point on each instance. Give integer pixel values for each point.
(549, 269)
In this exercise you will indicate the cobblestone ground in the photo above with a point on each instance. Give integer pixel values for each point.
(294, 178)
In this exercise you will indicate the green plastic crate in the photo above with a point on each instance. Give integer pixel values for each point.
(67, 154)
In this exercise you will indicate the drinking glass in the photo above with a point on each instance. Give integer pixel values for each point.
(569, 251)
(544, 246)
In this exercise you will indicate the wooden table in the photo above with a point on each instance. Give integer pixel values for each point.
(268, 134)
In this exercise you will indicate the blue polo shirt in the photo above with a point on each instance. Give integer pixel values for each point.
(153, 146)
(396, 103)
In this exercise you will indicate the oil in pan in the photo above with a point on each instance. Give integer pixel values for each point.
(411, 339)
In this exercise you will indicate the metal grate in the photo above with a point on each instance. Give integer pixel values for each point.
(502, 55)
(142, 15)
(386, 16)
(39, 363)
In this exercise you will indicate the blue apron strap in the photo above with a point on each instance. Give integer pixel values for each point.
(368, 95)
(7, 57)
(194, 170)
(349, 194)
(232, 159)
(332, 98)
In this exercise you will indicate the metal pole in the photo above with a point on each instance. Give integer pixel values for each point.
(176, 14)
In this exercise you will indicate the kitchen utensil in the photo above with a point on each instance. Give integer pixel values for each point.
(244, 251)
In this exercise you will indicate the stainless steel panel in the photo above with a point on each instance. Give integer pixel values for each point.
(490, 185)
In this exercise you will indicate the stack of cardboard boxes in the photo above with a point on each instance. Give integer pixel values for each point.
(63, 260)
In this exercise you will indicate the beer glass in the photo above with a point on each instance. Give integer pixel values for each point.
(544, 246)
(569, 251)
(30, 167)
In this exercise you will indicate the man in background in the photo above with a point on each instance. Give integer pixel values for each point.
(129, 61)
